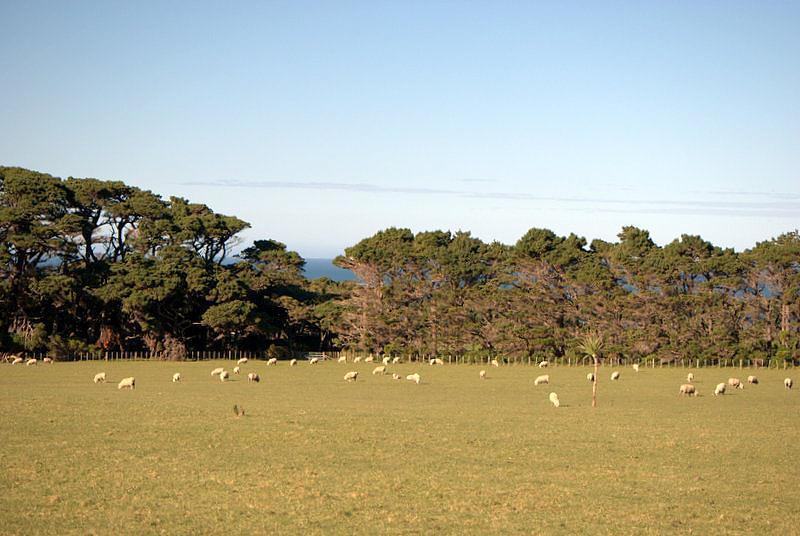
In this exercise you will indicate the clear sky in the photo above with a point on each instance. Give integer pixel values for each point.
(323, 122)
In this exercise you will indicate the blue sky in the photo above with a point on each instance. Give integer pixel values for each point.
(323, 122)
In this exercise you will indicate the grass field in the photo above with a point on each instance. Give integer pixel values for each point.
(316, 455)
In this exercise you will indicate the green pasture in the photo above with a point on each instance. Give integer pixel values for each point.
(316, 455)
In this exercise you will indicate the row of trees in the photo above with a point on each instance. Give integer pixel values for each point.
(88, 264)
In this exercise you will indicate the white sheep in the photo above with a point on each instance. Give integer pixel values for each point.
(554, 399)
(544, 364)
(386, 360)
(414, 378)
(379, 370)
(357, 359)
(545, 378)
(293, 362)
(242, 361)
(636, 367)
(253, 377)
(342, 359)
(688, 389)
(369, 359)
(735, 383)
(48, 360)
(483, 374)
(752, 380)
(787, 383)
(396, 360)
(690, 377)
(217, 370)
(495, 363)
(615, 375)
(236, 370)
(127, 383)
(590, 376)
(30, 362)
(17, 360)
(720, 390)
(272, 361)
(224, 375)
(351, 376)
(435, 361)
(176, 377)
(396, 376)
(313, 361)
(100, 377)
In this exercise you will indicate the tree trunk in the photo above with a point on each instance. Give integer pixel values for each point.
(594, 384)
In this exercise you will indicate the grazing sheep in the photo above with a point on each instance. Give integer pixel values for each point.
(30, 362)
(224, 375)
(545, 378)
(396, 360)
(435, 361)
(636, 367)
(483, 374)
(48, 360)
(495, 363)
(544, 364)
(690, 377)
(253, 377)
(379, 370)
(752, 380)
(396, 376)
(357, 359)
(615, 375)
(788, 383)
(351, 376)
(369, 359)
(342, 359)
(554, 399)
(293, 362)
(272, 361)
(313, 361)
(217, 370)
(735, 383)
(176, 377)
(100, 377)
(688, 389)
(386, 360)
(242, 361)
(127, 383)
(236, 370)
(720, 390)
(17, 360)
(414, 378)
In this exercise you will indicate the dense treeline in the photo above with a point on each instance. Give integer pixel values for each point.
(89, 263)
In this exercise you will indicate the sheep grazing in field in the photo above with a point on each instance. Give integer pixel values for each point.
(787, 383)
(590, 376)
(351, 376)
(293, 362)
(752, 380)
(253, 377)
(386, 360)
(17, 360)
(342, 359)
(544, 364)
(379, 370)
(47, 360)
(242, 361)
(236, 370)
(217, 370)
(396, 376)
(100, 377)
(396, 360)
(436, 361)
(554, 400)
(615, 375)
(690, 377)
(272, 361)
(545, 378)
(720, 390)
(736, 383)
(369, 359)
(127, 383)
(495, 363)
(483, 374)
(30, 362)
(414, 378)
(313, 361)
(636, 367)
(688, 389)
(224, 375)
(176, 377)
(357, 359)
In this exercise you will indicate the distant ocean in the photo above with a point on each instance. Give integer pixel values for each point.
(324, 268)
